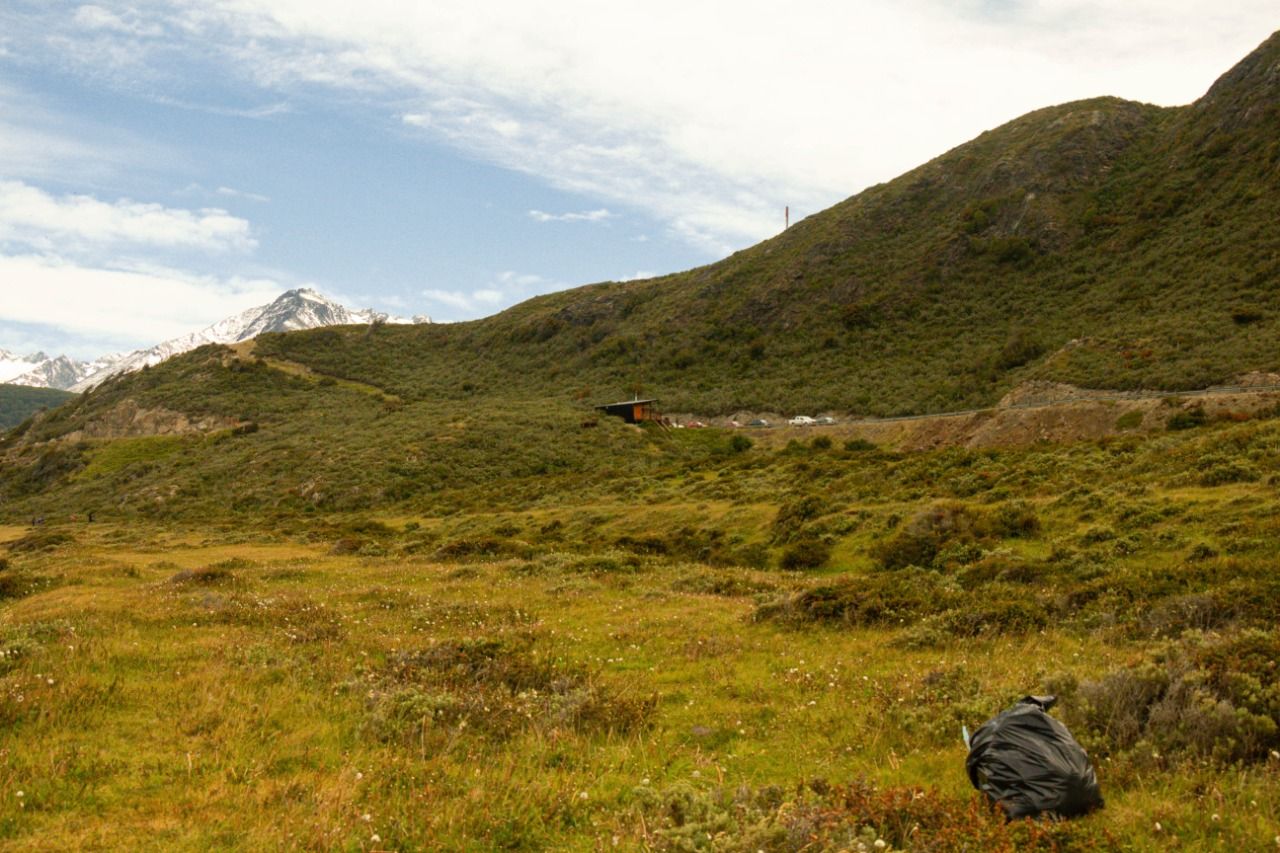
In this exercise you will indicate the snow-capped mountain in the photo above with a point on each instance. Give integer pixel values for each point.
(13, 365)
(42, 371)
(292, 310)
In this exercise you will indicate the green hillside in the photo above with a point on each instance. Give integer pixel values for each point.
(19, 402)
(402, 588)
(1103, 243)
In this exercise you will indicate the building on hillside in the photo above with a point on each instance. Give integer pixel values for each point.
(633, 411)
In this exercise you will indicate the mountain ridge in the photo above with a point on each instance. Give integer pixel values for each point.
(295, 309)
(1102, 244)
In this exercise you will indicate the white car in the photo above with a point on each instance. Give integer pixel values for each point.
(802, 420)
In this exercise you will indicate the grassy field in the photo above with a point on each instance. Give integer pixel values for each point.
(631, 665)
(401, 588)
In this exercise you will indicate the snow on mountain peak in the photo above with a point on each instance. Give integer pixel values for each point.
(301, 308)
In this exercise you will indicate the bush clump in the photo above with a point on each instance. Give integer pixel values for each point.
(1208, 697)
(40, 540)
(495, 687)
(1129, 420)
(1186, 419)
(809, 552)
(816, 815)
(874, 599)
(917, 542)
(794, 514)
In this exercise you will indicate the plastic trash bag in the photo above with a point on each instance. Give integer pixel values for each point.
(1027, 763)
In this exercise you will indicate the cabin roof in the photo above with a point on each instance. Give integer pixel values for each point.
(626, 403)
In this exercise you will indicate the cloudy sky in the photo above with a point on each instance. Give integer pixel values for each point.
(165, 163)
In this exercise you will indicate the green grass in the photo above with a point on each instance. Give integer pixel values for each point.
(131, 455)
(283, 678)
(421, 591)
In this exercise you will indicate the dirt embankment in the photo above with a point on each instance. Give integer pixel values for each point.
(1042, 412)
(129, 420)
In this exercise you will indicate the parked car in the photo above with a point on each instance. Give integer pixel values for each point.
(802, 420)
(826, 420)
(695, 425)
(758, 422)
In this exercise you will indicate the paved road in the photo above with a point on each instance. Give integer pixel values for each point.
(1101, 396)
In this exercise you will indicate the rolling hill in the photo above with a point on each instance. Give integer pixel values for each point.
(1102, 243)
(19, 402)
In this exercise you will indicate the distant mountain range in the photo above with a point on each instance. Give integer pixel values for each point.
(39, 370)
(292, 310)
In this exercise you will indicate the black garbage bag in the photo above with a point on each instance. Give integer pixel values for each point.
(1027, 763)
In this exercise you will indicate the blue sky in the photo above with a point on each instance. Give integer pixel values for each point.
(164, 163)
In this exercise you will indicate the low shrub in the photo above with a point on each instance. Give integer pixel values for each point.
(1186, 419)
(875, 599)
(205, 576)
(917, 542)
(806, 553)
(794, 514)
(1207, 697)
(495, 688)
(1129, 420)
(482, 548)
(859, 816)
(297, 618)
(1014, 520)
(38, 540)
(1228, 472)
(723, 583)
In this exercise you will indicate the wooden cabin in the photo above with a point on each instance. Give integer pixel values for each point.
(633, 411)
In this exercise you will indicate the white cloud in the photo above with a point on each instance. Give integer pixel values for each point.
(709, 117)
(452, 298)
(598, 215)
(234, 193)
(32, 217)
(713, 122)
(38, 144)
(97, 18)
(264, 111)
(132, 307)
(507, 288)
(510, 280)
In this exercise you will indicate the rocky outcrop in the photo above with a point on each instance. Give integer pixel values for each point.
(128, 420)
